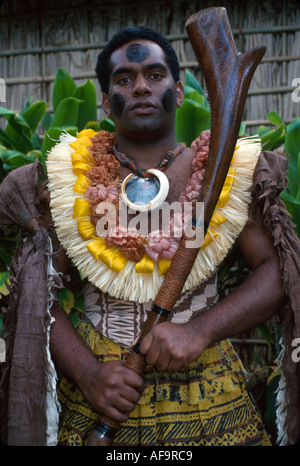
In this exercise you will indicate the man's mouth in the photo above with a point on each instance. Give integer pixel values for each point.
(143, 105)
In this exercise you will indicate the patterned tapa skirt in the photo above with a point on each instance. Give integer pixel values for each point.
(206, 404)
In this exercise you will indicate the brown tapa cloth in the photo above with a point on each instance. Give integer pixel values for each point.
(23, 378)
(269, 180)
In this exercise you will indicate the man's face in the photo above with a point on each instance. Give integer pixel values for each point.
(142, 93)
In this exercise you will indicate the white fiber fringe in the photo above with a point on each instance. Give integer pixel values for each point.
(128, 284)
(53, 405)
(281, 412)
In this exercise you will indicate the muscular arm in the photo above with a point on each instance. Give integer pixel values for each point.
(259, 297)
(110, 388)
(171, 346)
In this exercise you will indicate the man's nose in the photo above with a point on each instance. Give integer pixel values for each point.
(141, 86)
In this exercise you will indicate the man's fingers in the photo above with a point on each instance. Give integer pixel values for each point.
(150, 350)
(121, 406)
(146, 344)
(116, 415)
(163, 362)
(124, 405)
(175, 366)
(134, 380)
(130, 394)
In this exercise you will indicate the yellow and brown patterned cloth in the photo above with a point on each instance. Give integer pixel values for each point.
(206, 404)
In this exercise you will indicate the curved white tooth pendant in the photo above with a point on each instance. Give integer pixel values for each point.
(145, 194)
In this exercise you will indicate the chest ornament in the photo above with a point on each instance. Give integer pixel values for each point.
(146, 190)
(86, 205)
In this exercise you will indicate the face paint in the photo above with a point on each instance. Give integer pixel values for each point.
(137, 53)
(168, 101)
(118, 104)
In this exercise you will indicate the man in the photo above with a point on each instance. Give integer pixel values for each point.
(141, 91)
(192, 392)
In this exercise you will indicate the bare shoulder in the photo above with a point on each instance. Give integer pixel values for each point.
(256, 245)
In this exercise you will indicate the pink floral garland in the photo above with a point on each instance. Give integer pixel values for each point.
(160, 244)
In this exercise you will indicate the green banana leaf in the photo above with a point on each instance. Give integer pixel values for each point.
(4, 279)
(12, 159)
(47, 120)
(107, 124)
(20, 131)
(88, 107)
(66, 113)
(292, 148)
(92, 125)
(5, 140)
(34, 114)
(192, 84)
(17, 130)
(52, 137)
(191, 119)
(63, 87)
(66, 299)
(274, 118)
(29, 101)
(193, 116)
(293, 207)
(271, 139)
(195, 96)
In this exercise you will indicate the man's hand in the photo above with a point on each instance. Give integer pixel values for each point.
(112, 389)
(170, 347)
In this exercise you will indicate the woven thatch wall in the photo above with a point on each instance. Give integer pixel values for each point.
(37, 37)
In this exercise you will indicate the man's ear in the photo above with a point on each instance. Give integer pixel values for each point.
(105, 105)
(180, 94)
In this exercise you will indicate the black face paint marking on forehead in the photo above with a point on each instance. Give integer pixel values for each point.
(137, 53)
(168, 101)
(118, 104)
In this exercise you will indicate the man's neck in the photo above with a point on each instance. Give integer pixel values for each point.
(147, 154)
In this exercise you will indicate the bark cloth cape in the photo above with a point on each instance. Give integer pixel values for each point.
(28, 403)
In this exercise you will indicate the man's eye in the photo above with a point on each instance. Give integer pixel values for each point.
(124, 80)
(156, 76)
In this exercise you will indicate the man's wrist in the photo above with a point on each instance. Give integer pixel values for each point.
(199, 335)
(85, 370)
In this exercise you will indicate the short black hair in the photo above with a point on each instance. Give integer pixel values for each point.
(127, 35)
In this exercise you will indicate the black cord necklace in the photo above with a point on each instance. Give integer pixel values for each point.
(132, 165)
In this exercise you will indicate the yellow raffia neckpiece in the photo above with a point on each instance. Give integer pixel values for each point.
(107, 268)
